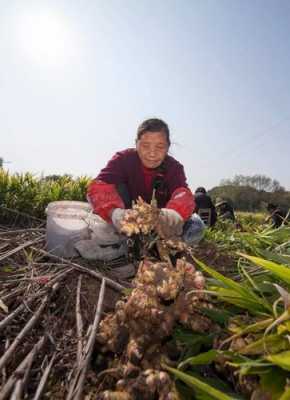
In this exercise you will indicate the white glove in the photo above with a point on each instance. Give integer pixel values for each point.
(117, 216)
(170, 222)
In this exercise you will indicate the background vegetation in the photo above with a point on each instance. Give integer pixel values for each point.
(28, 193)
(251, 193)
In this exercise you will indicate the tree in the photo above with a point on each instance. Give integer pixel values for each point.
(258, 182)
(276, 187)
(57, 178)
(1, 162)
(244, 198)
(251, 193)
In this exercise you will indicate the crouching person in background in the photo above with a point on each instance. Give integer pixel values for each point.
(278, 215)
(138, 172)
(225, 210)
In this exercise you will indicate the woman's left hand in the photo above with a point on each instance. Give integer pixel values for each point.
(170, 223)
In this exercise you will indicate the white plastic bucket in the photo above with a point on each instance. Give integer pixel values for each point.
(101, 231)
(66, 224)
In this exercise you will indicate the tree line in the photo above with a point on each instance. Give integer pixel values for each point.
(245, 193)
(251, 193)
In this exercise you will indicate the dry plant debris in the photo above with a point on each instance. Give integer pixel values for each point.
(48, 317)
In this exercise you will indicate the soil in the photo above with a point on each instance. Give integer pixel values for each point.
(208, 253)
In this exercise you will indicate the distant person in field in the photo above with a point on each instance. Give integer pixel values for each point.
(224, 210)
(138, 172)
(205, 207)
(278, 215)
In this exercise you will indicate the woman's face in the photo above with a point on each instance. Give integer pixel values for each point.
(152, 148)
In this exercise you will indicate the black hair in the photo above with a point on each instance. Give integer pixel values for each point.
(200, 190)
(153, 125)
(271, 206)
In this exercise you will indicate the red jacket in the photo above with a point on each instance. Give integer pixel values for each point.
(126, 168)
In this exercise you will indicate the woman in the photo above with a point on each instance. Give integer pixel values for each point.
(137, 172)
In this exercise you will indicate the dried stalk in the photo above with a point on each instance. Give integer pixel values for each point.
(8, 281)
(43, 380)
(16, 394)
(23, 306)
(14, 314)
(4, 374)
(12, 294)
(21, 247)
(22, 213)
(79, 321)
(3, 245)
(18, 231)
(59, 276)
(76, 388)
(22, 381)
(109, 282)
(6, 389)
(30, 324)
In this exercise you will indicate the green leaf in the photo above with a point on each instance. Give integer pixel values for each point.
(200, 359)
(281, 234)
(285, 327)
(258, 326)
(277, 258)
(191, 339)
(270, 344)
(219, 316)
(248, 366)
(255, 306)
(235, 293)
(185, 392)
(226, 281)
(281, 271)
(7, 268)
(215, 383)
(281, 359)
(199, 385)
(273, 382)
(285, 395)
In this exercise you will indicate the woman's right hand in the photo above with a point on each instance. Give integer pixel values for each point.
(117, 216)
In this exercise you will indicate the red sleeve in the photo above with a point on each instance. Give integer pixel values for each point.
(104, 197)
(182, 201)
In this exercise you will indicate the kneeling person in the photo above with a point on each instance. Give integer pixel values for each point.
(137, 172)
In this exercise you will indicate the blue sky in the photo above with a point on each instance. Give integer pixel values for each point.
(76, 79)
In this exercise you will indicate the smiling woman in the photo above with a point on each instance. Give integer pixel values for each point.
(46, 38)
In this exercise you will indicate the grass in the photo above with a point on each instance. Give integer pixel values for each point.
(31, 194)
